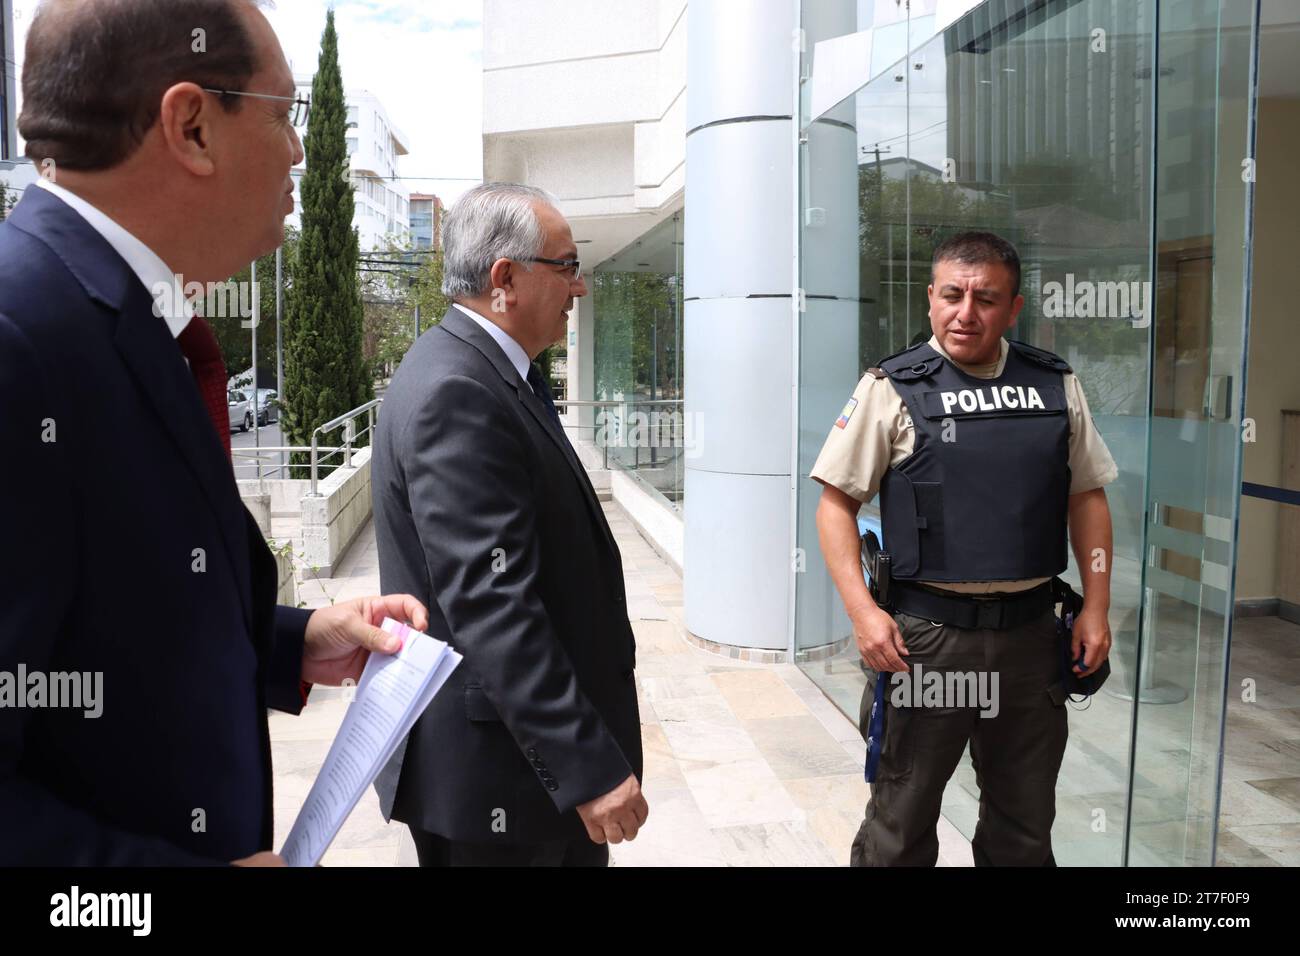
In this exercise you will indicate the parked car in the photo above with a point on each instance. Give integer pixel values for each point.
(268, 406)
(241, 410)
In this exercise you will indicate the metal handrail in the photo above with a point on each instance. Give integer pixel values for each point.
(356, 412)
(615, 403)
(258, 455)
(349, 436)
(369, 410)
(255, 456)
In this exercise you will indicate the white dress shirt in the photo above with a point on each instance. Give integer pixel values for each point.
(514, 351)
(144, 262)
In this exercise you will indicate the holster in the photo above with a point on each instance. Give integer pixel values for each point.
(879, 568)
(1071, 684)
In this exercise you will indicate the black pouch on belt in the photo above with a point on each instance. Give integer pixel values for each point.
(1070, 683)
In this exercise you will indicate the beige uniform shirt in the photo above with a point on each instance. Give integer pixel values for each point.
(878, 435)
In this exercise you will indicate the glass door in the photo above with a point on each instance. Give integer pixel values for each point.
(1203, 131)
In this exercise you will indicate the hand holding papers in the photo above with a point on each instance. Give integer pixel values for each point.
(393, 692)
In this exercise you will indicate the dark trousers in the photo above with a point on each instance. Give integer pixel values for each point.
(435, 850)
(1016, 754)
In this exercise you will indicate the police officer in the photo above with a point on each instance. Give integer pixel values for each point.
(984, 453)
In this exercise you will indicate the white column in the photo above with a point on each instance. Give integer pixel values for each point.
(738, 336)
(580, 422)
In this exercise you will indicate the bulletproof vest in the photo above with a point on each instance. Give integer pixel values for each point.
(984, 496)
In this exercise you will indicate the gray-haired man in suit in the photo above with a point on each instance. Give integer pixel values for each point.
(531, 755)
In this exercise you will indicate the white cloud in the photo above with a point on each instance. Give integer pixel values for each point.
(422, 58)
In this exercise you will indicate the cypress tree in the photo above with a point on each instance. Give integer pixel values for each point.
(323, 371)
(363, 385)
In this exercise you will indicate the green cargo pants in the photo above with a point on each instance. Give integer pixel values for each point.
(1016, 754)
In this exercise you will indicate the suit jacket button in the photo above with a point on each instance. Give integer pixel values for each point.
(552, 786)
(532, 752)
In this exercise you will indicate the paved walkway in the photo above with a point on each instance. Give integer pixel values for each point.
(746, 764)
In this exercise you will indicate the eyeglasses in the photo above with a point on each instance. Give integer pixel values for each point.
(573, 265)
(301, 104)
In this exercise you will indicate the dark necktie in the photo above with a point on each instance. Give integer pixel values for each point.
(199, 345)
(543, 391)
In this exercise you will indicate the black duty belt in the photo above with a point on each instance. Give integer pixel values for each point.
(973, 613)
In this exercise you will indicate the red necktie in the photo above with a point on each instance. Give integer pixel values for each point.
(199, 345)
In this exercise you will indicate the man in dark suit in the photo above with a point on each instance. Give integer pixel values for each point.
(531, 754)
(128, 558)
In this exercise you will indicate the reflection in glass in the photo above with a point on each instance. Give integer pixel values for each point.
(1042, 122)
(638, 359)
(1021, 127)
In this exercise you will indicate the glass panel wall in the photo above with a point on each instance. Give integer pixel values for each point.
(1104, 140)
(638, 373)
(1204, 138)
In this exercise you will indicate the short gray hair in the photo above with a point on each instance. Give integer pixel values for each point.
(490, 222)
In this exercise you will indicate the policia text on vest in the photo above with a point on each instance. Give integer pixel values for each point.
(992, 399)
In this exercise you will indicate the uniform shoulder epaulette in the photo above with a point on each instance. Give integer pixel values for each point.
(915, 361)
(1042, 356)
(900, 353)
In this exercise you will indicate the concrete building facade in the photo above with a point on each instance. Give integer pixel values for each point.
(375, 144)
(426, 221)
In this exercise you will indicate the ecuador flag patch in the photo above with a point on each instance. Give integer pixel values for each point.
(847, 413)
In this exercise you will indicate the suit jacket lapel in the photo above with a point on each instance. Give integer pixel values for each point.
(155, 361)
(464, 328)
(556, 433)
(152, 357)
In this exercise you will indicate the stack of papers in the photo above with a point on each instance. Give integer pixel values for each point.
(394, 691)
